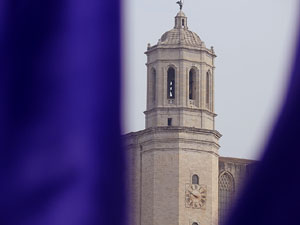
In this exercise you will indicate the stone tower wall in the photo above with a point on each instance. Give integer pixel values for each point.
(182, 110)
(162, 163)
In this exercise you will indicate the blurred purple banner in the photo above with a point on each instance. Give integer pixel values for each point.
(271, 197)
(60, 152)
(61, 160)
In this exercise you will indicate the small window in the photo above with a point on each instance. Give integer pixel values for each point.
(169, 121)
(207, 87)
(153, 84)
(192, 84)
(195, 179)
(182, 22)
(195, 223)
(171, 83)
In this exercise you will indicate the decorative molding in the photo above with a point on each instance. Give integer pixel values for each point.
(174, 129)
(181, 140)
(177, 60)
(179, 150)
(201, 49)
(179, 108)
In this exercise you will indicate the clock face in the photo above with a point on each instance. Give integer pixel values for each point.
(195, 196)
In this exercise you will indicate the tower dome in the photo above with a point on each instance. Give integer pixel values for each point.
(180, 34)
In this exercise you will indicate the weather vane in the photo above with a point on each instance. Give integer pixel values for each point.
(180, 3)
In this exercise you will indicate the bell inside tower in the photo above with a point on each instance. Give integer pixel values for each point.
(171, 83)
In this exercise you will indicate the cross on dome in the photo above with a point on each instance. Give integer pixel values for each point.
(180, 3)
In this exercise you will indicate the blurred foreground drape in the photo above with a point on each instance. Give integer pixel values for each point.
(60, 155)
(271, 197)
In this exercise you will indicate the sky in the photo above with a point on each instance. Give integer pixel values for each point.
(254, 42)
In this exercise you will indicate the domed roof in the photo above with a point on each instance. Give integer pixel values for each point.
(180, 36)
(180, 13)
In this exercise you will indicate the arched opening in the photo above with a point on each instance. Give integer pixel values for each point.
(195, 179)
(192, 84)
(195, 223)
(226, 194)
(153, 89)
(208, 87)
(171, 83)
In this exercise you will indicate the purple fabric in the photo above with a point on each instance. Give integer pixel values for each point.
(272, 195)
(60, 154)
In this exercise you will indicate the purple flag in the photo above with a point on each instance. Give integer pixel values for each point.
(61, 161)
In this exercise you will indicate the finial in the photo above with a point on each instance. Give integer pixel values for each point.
(180, 3)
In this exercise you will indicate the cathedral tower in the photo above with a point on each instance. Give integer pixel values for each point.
(174, 161)
(180, 80)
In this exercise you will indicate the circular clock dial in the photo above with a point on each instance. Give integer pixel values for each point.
(195, 196)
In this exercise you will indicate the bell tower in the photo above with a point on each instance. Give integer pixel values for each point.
(180, 78)
(174, 161)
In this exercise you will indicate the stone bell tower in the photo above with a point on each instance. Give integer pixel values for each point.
(180, 80)
(173, 163)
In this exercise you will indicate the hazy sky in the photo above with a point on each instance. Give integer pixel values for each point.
(254, 42)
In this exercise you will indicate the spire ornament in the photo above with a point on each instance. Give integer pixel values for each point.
(180, 3)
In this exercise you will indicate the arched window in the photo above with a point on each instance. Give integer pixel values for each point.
(207, 87)
(226, 194)
(195, 223)
(192, 84)
(171, 83)
(153, 78)
(195, 179)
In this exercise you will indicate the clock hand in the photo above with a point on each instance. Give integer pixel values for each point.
(194, 194)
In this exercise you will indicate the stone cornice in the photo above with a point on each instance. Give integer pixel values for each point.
(184, 149)
(171, 60)
(236, 160)
(176, 108)
(173, 129)
(180, 46)
(179, 140)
